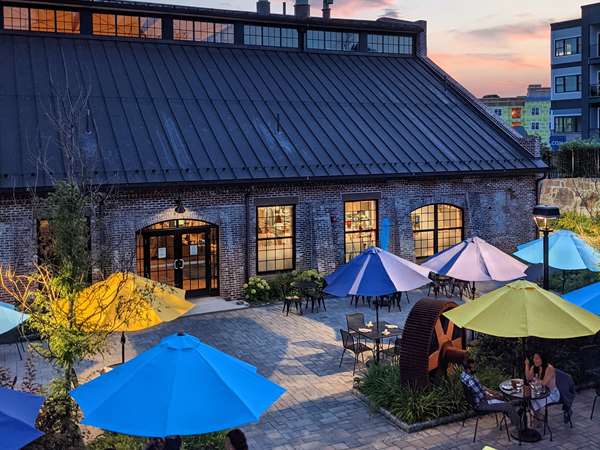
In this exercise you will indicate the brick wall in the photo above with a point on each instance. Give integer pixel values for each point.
(495, 208)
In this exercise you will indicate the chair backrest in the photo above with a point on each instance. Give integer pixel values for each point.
(347, 339)
(566, 387)
(397, 346)
(355, 321)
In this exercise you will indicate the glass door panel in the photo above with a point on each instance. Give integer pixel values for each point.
(194, 261)
(161, 256)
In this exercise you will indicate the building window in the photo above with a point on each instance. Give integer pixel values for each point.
(515, 113)
(535, 111)
(360, 227)
(498, 112)
(183, 30)
(270, 36)
(275, 238)
(127, 26)
(331, 40)
(219, 33)
(435, 228)
(567, 124)
(568, 83)
(42, 20)
(387, 43)
(535, 125)
(567, 47)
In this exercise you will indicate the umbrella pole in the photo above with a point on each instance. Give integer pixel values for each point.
(123, 340)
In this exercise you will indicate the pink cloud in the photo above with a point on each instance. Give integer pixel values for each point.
(495, 73)
(520, 31)
(351, 8)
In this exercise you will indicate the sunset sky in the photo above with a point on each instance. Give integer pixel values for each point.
(489, 46)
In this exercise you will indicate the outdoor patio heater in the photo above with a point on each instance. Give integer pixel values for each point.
(545, 218)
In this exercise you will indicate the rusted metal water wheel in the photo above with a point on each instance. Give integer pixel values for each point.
(430, 342)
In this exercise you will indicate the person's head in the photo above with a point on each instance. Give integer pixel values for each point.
(539, 360)
(469, 365)
(235, 440)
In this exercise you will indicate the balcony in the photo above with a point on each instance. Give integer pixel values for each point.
(594, 133)
(594, 52)
(594, 90)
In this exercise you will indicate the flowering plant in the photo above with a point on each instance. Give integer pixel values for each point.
(257, 289)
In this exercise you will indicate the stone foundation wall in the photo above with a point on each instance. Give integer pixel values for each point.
(581, 195)
(497, 209)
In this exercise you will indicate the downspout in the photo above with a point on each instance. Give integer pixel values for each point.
(537, 187)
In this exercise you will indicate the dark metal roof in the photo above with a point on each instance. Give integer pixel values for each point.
(176, 112)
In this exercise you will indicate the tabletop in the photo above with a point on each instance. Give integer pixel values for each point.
(517, 393)
(386, 330)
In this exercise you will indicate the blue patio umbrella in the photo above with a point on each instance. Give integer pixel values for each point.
(566, 251)
(587, 297)
(374, 273)
(18, 412)
(179, 387)
(10, 318)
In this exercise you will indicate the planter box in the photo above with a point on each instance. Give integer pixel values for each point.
(411, 428)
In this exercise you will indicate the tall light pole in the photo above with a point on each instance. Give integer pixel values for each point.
(545, 218)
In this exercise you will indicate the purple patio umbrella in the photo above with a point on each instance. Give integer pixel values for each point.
(475, 260)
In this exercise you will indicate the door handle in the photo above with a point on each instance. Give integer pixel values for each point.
(178, 264)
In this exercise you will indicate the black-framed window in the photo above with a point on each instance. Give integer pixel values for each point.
(498, 112)
(41, 20)
(275, 238)
(360, 226)
(270, 36)
(567, 83)
(535, 111)
(567, 47)
(389, 43)
(126, 26)
(331, 40)
(193, 30)
(535, 125)
(436, 227)
(567, 124)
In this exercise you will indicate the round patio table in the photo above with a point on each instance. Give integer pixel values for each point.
(525, 433)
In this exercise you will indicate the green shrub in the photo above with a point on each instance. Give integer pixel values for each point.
(443, 398)
(281, 286)
(211, 441)
(310, 275)
(59, 419)
(257, 290)
(505, 354)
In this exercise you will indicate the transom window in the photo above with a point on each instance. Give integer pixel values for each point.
(331, 40)
(435, 228)
(388, 43)
(127, 26)
(275, 238)
(360, 227)
(270, 36)
(42, 20)
(191, 30)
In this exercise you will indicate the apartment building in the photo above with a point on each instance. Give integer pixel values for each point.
(575, 69)
(528, 115)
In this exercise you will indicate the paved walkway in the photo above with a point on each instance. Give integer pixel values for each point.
(319, 410)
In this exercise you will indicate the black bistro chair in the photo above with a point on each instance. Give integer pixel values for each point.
(482, 412)
(566, 386)
(357, 348)
(393, 351)
(355, 321)
(591, 367)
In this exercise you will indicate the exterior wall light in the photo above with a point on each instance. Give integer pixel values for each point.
(179, 208)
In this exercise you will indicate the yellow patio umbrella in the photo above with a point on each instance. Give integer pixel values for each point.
(127, 302)
(521, 309)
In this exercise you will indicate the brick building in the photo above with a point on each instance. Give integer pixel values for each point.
(238, 143)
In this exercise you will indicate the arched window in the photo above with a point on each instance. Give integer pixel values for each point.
(435, 228)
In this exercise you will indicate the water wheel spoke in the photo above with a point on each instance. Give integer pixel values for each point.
(434, 360)
(450, 330)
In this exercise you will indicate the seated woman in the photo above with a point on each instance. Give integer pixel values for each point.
(543, 372)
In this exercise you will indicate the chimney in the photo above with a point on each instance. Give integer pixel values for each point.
(302, 9)
(326, 9)
(263, 7)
